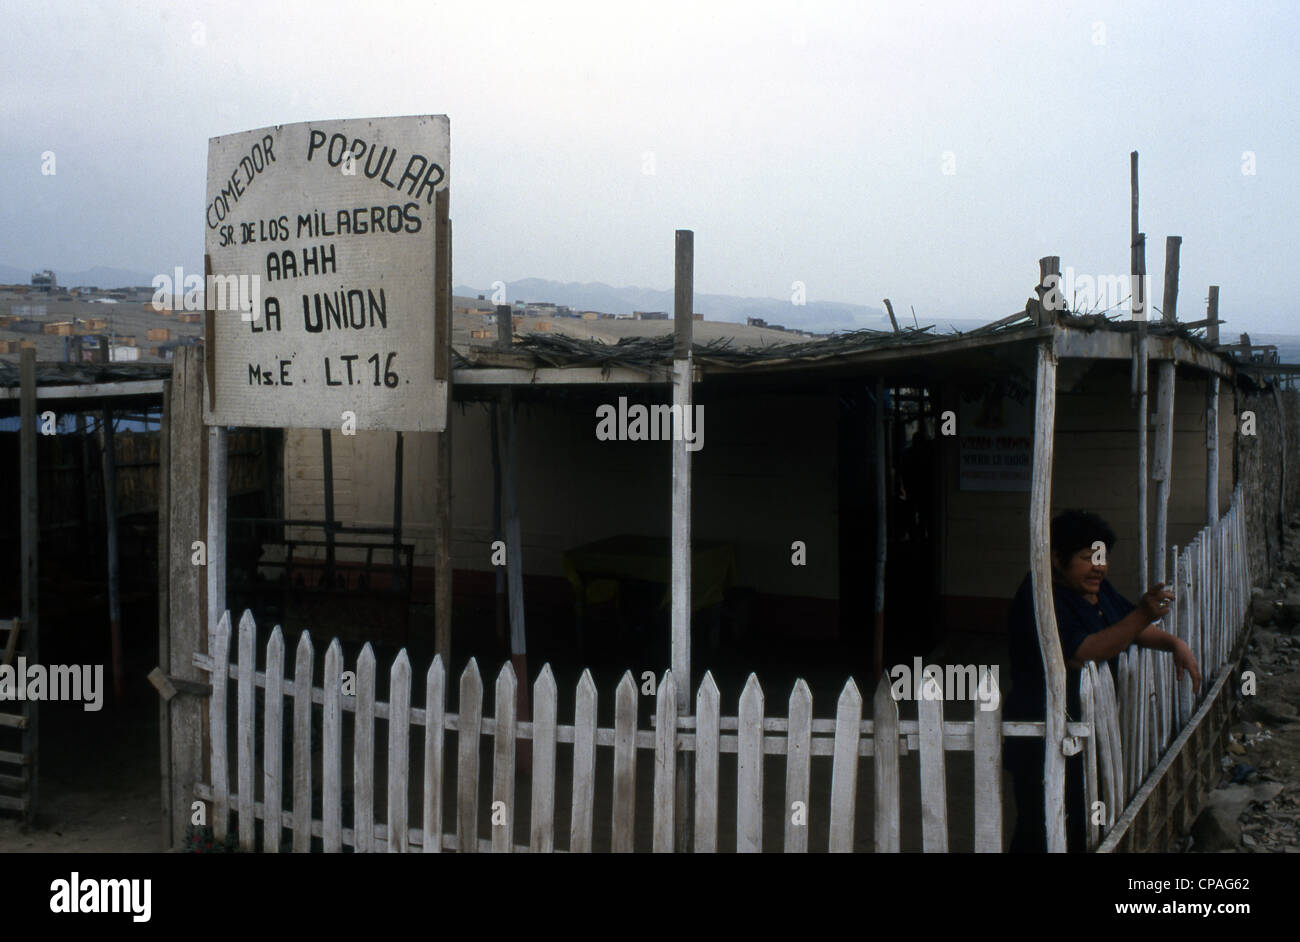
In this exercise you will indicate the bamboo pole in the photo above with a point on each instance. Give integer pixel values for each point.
(1049, 639)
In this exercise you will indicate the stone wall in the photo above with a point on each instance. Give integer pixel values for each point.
(1260, 471)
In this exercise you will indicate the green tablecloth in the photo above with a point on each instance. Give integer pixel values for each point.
(648, 558)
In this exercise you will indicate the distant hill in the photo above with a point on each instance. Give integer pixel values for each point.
(595, 296)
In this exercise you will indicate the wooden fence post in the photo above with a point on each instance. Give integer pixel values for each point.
(185, 630)
(1049, 639)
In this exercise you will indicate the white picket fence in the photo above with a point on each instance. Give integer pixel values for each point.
(1140, 713)
(751, 735)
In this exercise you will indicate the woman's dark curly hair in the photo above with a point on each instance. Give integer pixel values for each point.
(1073, 530)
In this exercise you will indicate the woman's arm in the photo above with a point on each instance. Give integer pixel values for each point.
(1105, 644)
(1160, 640)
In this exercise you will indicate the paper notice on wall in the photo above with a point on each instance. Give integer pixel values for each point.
(995, 427)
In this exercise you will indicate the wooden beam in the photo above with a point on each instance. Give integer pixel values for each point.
(30, 536)
(1049, 639)
(566, 376)
(683, 330)
(144, 387)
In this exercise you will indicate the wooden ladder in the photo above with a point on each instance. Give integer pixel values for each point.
(16, 746)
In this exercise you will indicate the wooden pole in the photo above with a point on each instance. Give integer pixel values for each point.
(218, 497)
(442, 586)
(498, 533)
(398, 460)
(514, 539)
(1141, 387)
(1163, 469)
(889, 309)
(882, 529)
(182, 634)
(109, 456)
(327, 469)
(1173, 245)
(1049, 639)
(1049, 266)
(1212, 416)
(164, 608)
(683, 329)
(30, 535)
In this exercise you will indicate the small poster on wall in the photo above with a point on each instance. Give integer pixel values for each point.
(995, 425)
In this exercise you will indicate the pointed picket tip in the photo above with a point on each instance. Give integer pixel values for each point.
(304, 642)
(507, 687)
(626, 687)
(851, 692)
(222, 629)
(367, 655)
(401, 665)
(801, 693)
(276, 640)
(586, 686)
(545, 682)
(334, 650)
(471, 670)
(436, 670)
(246, 622)
(668, 683)
(753, 692)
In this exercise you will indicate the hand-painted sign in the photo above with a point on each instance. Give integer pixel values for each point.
(322, 274)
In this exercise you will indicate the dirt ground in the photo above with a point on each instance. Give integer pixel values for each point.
(100, 790)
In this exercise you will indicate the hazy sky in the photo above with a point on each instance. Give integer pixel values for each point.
(805, 144)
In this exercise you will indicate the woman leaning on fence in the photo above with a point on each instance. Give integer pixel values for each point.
(1096, 623)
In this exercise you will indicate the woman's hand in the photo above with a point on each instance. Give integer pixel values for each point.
(1184, 660)
(1154, 603)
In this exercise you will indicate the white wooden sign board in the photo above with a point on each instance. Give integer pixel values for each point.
(324, 232)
